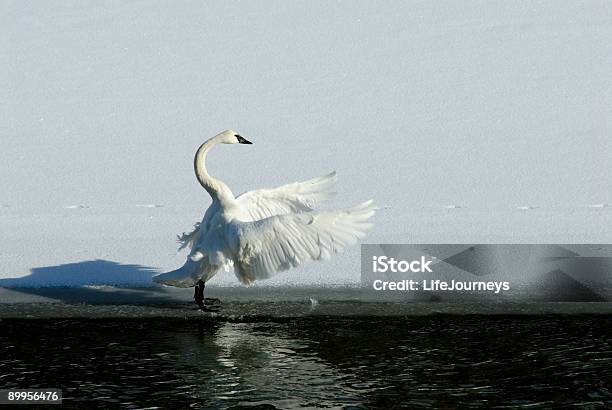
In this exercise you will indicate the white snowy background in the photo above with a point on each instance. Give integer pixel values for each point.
(466, 121)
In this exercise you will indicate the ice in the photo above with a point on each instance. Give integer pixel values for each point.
(415, 104)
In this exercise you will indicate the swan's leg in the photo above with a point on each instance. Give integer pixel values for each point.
(204, 303)
(199, 293)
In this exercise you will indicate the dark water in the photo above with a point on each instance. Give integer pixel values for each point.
(439, 362)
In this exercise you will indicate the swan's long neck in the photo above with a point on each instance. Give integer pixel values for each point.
(217, 189)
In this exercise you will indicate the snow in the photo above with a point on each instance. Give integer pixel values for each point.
(487, 104)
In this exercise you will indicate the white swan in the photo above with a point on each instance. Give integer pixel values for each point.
(265, 231)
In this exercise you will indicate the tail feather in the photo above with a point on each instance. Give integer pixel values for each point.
(188, 275)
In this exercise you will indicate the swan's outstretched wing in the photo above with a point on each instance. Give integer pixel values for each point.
(264, 247)
(291, 198)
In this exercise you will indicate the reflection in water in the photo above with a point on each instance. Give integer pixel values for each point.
(261, 363)
(325, 362)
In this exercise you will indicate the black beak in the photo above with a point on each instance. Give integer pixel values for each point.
(241, 140)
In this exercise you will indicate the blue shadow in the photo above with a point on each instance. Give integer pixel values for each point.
(72, 283)
(88, 273)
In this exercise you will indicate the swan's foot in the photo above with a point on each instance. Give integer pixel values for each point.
(205, 304)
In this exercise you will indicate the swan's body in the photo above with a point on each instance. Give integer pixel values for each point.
(265, 231)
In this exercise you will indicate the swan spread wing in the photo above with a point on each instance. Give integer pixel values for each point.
(297, 197)
(265, 231)
(264, 247)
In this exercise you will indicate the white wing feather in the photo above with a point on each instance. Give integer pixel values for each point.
(263, 203)
(264, 247)
(276, 231)
(199, 265)
(293, 198)
(188, 239)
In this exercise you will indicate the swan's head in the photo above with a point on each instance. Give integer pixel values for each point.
(231, 137)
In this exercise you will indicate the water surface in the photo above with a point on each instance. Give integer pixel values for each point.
(437, 361)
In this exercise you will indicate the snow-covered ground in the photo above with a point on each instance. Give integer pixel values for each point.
(466, 121)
